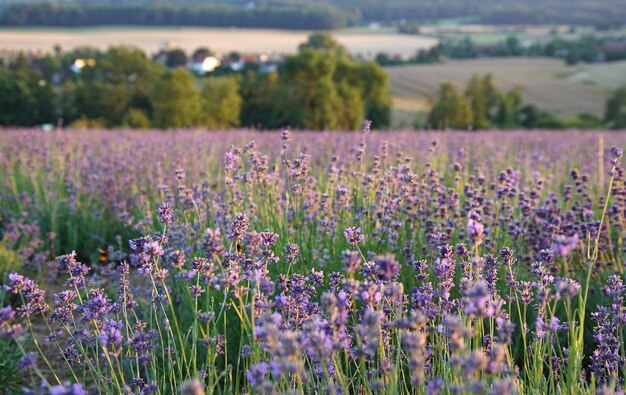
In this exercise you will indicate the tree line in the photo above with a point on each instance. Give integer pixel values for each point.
(302, 14)
(309, 16)
(482, 106)
(320, 87)
(587, 48)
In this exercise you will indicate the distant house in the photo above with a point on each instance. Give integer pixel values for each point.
(233, 64)
(80, 64)
(205, 65)
(269, 67)
(160, 57)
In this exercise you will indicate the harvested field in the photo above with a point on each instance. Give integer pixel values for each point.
(366, 43)
(547, 83)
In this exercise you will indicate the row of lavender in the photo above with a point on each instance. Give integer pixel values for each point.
(315, 262)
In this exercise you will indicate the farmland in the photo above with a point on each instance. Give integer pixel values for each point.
(547, 83)
(278, 262)
(359, 42)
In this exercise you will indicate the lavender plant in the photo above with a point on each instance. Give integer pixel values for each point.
(301, 264)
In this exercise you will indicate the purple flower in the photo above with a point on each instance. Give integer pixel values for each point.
(292, 253)
(475, 230)
(28, 361)
(268, 239)
(34, 296)
(7, 328)
(212, 243)
(257, 374)
(165, 212)
(68, 389)
(563, 245)
(238, 227)
(352, 261)
(231, 162)
(566, 287)
(316, 339)
(354, 235)
(111, 334)
(369, 333)
(617, 153)
(476, 298)
(387, 268)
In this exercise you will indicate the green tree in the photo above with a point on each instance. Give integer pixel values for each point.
(26, 98)
(615, 110)
(319, 88)
(306, 95)
(509, 104)
(221, 102)
(532, 118)
(372, 84)
(350, 112)
(201, 53)
(176, 101)
(482, 96)
(121, 78)
(257, 92)
(176, 58)
(513, 46)
(451, 110)
(375, 91)
(136, 119)
(324, 42)
(13, 103)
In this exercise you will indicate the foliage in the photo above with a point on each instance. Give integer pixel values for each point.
(483, 106)
(507, 115)
(331, 91)
(25, 98)
(587, 48)
(12, 377)
(176, 58)
(176, 101)
(85, 123)
(136, 119)
(306, 92)
(119, 79)
(221, 103)
(482, 95)
(451, 110)
(123, 87)
(615, 114)
(301, 14)
(303, 17)
(257, 91)
(324, 42)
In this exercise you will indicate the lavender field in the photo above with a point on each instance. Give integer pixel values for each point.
(247, 262)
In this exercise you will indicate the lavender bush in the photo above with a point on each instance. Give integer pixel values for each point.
(247, 262)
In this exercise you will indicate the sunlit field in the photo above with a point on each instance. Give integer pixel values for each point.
(546, 83)
(358, 42)
(312, 262)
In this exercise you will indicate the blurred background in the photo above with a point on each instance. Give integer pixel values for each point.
(313, 65)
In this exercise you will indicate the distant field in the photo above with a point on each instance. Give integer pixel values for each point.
(482, 34)
(547, 83)
(605, 75)
(363, 42)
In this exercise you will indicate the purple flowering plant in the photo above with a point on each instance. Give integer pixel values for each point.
(474, 267)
